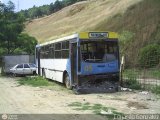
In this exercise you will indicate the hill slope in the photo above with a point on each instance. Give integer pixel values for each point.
(82, 16)
(138, 21)
(142, 22)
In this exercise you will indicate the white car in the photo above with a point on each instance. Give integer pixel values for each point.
(24, 69)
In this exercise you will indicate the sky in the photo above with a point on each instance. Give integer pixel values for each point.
(25, 4)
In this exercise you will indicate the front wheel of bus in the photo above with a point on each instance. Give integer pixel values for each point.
(67, 82)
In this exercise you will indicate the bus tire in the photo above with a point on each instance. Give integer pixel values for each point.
(67, 82)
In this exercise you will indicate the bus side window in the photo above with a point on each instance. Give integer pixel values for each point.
(57, 50)
(51, 51)
(42, 52)
(65, 49)
(47, 51)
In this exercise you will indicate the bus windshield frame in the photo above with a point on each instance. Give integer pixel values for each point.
(99, 51)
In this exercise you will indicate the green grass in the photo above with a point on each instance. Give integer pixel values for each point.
(156, 90)
(153, 73)
(38, 81)
(75, 104)
(95, 108)
(35, 81)
(131, 75)
(130, 81)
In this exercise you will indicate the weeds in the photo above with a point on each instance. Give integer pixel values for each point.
(42, 82)
(75, 104)
(98, 109)
(148, 78)
(156, 90)
(131, 80)
(153, 73)
(35, 81)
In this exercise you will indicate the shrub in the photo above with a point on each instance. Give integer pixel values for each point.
(155, 89)
(149, 56)
(126, 38)
(131, 80)
(133, 84)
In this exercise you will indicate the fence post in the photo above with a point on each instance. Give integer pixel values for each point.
(121, 71)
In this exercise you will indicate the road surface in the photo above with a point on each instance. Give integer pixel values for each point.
(16, 99)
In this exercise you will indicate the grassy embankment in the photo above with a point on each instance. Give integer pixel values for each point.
(142, 22)
(82, 16)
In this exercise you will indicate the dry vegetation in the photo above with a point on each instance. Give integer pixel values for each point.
(142, 20)
(82, 16)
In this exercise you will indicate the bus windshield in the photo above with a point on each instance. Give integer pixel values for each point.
(99, 51)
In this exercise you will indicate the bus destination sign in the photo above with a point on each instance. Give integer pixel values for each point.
(98, 35)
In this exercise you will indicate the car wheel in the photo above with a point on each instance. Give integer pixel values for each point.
(34, 72)
(67, 82)
(14, 75)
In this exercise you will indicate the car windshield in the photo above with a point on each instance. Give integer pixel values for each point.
(14, 67)
(32, 65)
(102, 51)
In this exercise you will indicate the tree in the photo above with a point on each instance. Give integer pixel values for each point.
(51, 8)
(58, 5)
(26, 43)
(11, 26)
(10, 6)
(149, 56)
(35, 12)
(38, 12)
(69, 2)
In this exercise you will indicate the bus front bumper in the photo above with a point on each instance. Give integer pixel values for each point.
(98, 83)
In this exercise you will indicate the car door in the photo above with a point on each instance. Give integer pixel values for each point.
(27, 69)
(19, 69)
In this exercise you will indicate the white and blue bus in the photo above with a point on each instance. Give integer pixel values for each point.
(81, 61)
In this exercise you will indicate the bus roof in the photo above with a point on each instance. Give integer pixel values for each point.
(85, 35)
(60, 39)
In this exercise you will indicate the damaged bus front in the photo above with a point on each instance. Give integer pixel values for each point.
(98, 62)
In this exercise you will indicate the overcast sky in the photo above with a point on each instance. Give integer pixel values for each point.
(25, 4)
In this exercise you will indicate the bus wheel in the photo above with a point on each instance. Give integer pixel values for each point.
(67, 82)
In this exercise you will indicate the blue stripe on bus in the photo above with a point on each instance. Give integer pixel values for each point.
(99, 68)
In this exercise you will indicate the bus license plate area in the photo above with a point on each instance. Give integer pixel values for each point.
(94, 84)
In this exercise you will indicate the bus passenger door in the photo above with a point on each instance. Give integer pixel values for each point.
(73, 57)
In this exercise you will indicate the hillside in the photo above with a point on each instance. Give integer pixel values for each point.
(138, 21)
(142, 23)
(81, 16)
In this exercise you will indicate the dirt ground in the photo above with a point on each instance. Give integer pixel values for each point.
(16, 99)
